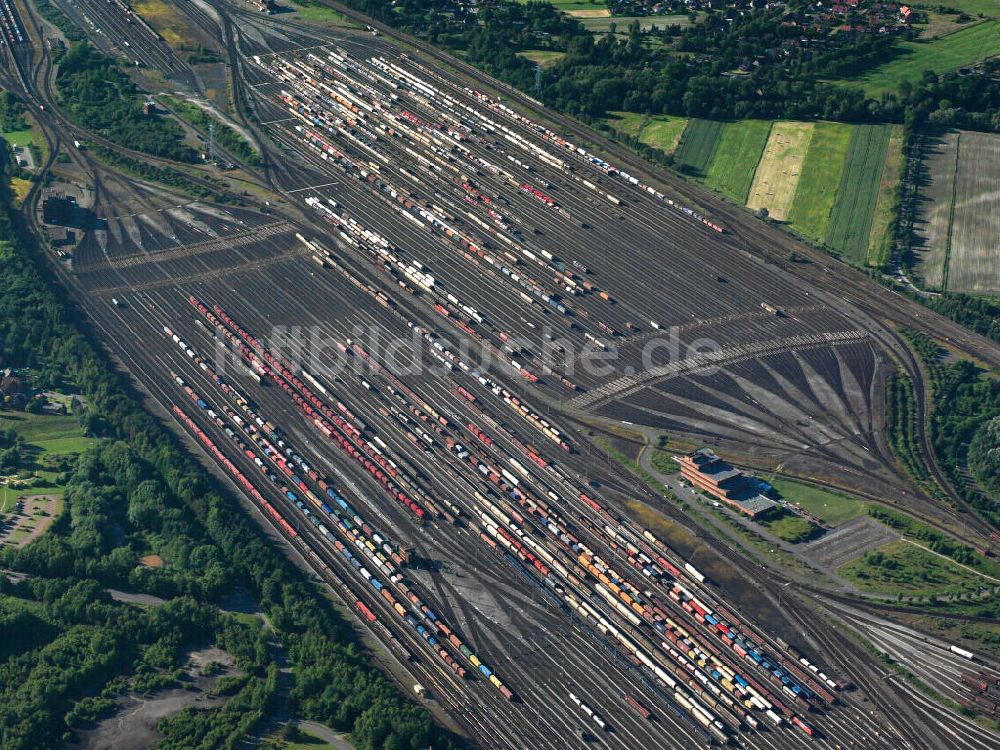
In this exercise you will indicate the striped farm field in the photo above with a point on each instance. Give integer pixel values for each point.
(933, 219)
(851, 218)
(833, 183)
(821, 175)
(735, 161)
(777, 175)
(698, 144)
(974, 255)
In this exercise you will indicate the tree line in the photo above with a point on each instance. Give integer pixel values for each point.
(966, 399)
(724, 67)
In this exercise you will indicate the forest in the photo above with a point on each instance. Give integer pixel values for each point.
(98, 96)
(966, 399)
(693, 78)
(67, 652)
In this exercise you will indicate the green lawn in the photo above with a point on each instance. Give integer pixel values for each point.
(903, 567)
(851, 217)
(965, 47)
(831, 507)
(786, 525)
(629, 123)
(19, 137)
(698, 144)
(662, 132)
(735, 162)
(51, 433)
(821, 175)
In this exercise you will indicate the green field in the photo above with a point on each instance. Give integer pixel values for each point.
(567, 5)
(902, 567)
(603, 25)
(786, 525)
(45, 435)
(321, 14)
(664, 463)
(543, 57)
(820, 180)
(18, 137)
(851, 218)
(735, 162)
(663, 132)
(660, 131)
(698, 144)
(965, 47)
(50, 433)
(880, 239)
(836, 185)
(829, 506)
(629, 123)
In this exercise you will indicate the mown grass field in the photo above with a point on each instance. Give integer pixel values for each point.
(30, 136)
(974, 251)
(820, 180)
(785, 524)
(967, 46)
(663, 132)
(18, 137)
(829, 506)
(740, 147)
(697, 145)
(851, 217)
(566, 6)
(51, 433)
(780, 167)
(629, 123)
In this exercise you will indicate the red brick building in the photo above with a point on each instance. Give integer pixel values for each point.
(713, 476)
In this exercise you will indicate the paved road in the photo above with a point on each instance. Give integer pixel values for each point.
(326, 734)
